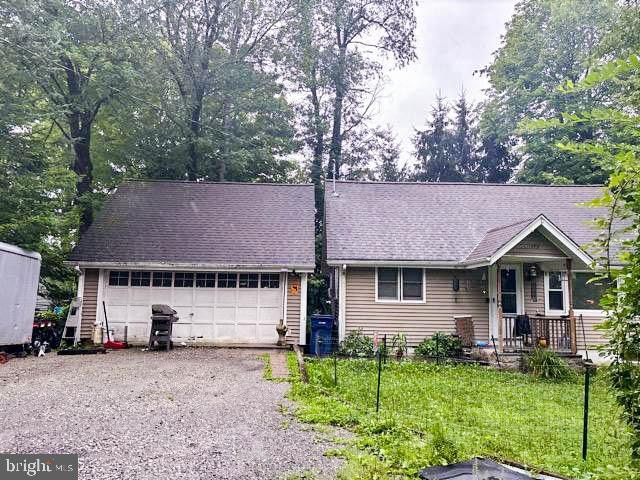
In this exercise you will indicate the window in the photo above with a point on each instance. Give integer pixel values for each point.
(140, 279)
(412, 284)
(400, 284)
(509, 289)
(555, 291)
(205, 280)
(586, 294)
(162, 279)
(248, 280)
(183, 279)
(118, 278)
(388, 284)
(270, 280)
(227, 280)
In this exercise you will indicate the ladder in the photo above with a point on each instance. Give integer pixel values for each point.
(72, 325)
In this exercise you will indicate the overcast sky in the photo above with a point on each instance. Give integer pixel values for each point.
(453, 38)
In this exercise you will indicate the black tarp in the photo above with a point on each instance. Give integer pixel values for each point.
(475, 469)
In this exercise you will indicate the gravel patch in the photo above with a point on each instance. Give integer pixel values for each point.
(189, 414)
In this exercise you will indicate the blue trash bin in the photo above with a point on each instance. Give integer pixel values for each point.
(321, 328)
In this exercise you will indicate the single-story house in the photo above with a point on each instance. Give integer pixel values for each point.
(418, 258)
(231, 258)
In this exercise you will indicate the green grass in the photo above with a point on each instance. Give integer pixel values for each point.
(436, 414)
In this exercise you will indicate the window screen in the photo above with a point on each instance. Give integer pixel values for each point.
(587, 295)
(140, 279)
(162, 279)
(388, 283)
(412, 288)
(118, 278)
(555, 292)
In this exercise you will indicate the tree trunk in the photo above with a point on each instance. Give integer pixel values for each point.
(80, 130)
(335, 152)
(195, 130)
(318, 150)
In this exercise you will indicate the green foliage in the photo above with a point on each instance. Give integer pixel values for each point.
(399, 345)
(544, 363)
(439, 345)
(356, 344)
(436, 414)
(547, 42)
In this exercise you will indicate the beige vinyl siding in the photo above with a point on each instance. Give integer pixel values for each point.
(531, 306)
(89, 303)
(593, 337)
(536, 244)
(293, 311)
(417, 320)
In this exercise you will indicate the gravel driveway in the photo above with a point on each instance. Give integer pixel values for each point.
(188, 414)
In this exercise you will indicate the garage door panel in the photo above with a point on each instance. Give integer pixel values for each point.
(161, 296)
(225, 315)
(226, 297)
(247, 298)
(203, 314)
(267, 333)
(247, 315)
(140, 313)
(247, 332)
(140, 296)
(224, 331)
(269, 315)
(270, 298)
(205, 296)
(118, 296)
(183, 296)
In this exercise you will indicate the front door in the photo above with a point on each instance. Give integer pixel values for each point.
(510, 278)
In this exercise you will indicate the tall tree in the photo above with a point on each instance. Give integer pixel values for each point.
(546, 42)
(434, 147)
(79, 57)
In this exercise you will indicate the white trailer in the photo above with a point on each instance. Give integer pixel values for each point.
(19, 276)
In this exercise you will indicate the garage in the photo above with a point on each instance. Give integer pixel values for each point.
(232, 259)
(213, 307)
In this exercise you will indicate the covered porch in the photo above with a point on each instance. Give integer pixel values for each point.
(530, 268)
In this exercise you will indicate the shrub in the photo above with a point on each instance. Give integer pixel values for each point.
(547, 364)
(356, 344)
(439, 345)
(399, 345)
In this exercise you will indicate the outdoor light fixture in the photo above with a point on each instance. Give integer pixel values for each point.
(456, 284)
(533, 271)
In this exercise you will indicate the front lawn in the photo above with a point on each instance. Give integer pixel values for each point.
(436, 414)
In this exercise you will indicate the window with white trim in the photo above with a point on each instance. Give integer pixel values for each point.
(205, 280)
(118, 278)
(248, 280)
(400, 284)
(555, 294)
(183, 279)
(227, 280)
(162, 279)
(269, 280)
(140, 279)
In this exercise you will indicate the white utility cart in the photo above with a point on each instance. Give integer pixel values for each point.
(19, 276)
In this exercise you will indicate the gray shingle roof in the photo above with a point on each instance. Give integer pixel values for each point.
(203, 223)
(496, 238)
(445, 222)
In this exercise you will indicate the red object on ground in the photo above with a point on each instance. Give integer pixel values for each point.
(113, 345)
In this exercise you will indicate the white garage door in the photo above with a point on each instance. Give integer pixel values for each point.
(219, 307)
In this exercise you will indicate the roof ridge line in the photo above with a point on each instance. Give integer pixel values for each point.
(212, 182)
(477, 184)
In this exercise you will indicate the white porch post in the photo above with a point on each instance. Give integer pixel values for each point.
(80, 294)
(303, 309)
(493, 301)
(342, 302)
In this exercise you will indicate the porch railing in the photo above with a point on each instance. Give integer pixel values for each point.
(551, 332)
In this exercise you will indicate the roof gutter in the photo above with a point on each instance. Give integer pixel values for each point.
(408, 263)
(192, 266)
